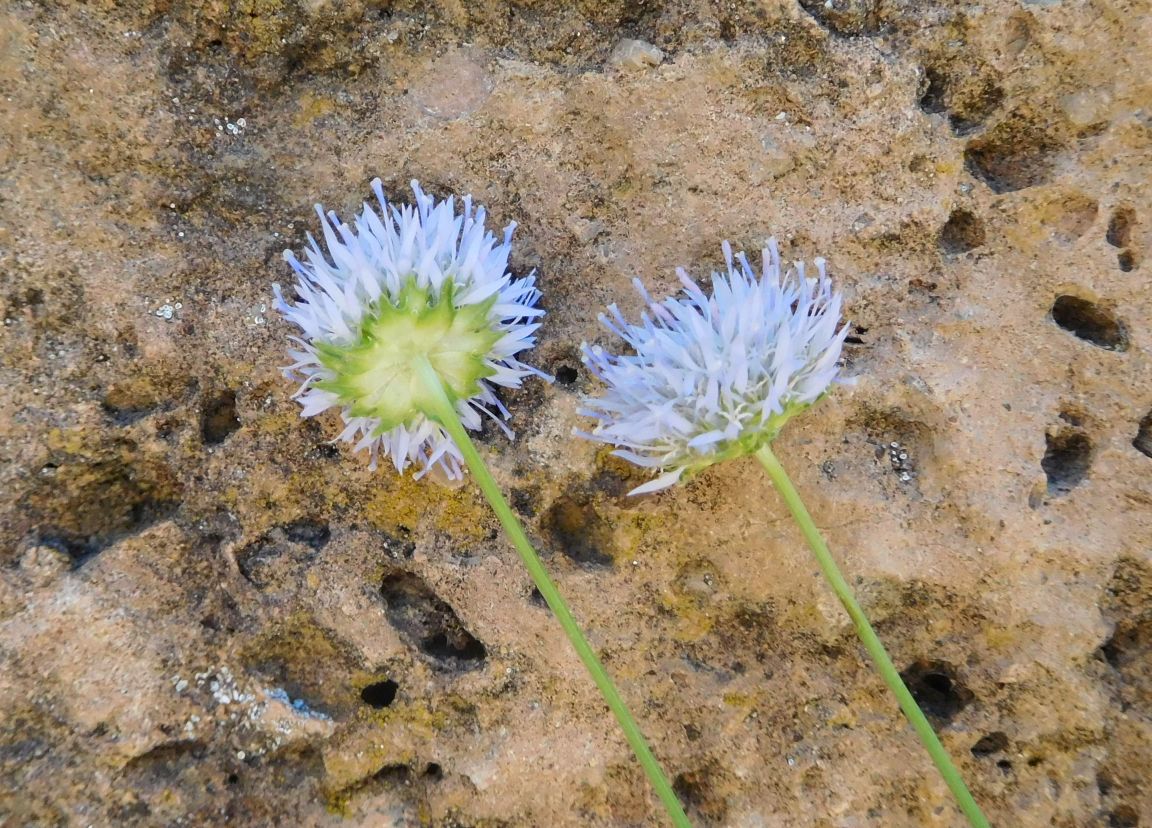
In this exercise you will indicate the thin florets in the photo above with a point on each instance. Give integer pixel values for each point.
(423, 282)
(715, 376)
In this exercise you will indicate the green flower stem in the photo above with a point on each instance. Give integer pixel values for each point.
(872, 643)
(444, 412)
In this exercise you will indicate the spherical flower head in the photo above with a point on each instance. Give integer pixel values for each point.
(717, 376)
(405, 285)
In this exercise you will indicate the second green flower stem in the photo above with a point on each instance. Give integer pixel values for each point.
(868, 636)
(443, 411)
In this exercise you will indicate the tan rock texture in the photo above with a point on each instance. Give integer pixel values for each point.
(209, 616)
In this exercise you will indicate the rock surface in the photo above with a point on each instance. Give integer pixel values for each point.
(209, 616)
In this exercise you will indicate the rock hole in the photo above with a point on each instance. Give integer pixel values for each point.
(308, 665)
(1124, 816)
(537, 599)
(127, 404)
(393, 775)
(78, 550)
(232, 779)
(857, 335)
(1127, 608)
(580, 531)
(433, 771)
(992, 743)
(1005, 766)
(972, 104)
(399, 546)
(313, 533)
(697, 580)
(1126, 261)
(936, 689)
(278, 554)
(28, 298)
(320, 447)
(448, 646)
(922, 165)
(524, 501)
(749, 630)
(420, 616)
(1089, 321)
(256, 562)
(1128, 642)
(1015, 154)
(962, 232)
(1105, 782)
(1143, 440)
(1018, 33)
(697, 790)
(968, 96)
(218, 419)
(82, 505)
(1119, 232)
(1076, 213)
(614, 478)
(380, 694)
(1073, 417)
(566, 374)
(932, 99)
(169, 760)
(1067, 460)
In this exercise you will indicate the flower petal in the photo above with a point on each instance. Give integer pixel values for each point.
(664, 481)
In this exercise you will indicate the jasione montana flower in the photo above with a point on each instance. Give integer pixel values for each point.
(403, 285)
(408, 323)
(717, 376)
(714, 377)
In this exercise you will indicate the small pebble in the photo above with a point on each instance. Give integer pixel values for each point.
(635, 54)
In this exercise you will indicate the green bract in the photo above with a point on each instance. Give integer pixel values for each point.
(375, 375)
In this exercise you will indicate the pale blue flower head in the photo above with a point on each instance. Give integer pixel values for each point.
(711, 377)
(403, 285)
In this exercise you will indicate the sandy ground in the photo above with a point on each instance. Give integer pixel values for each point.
(210, 616)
